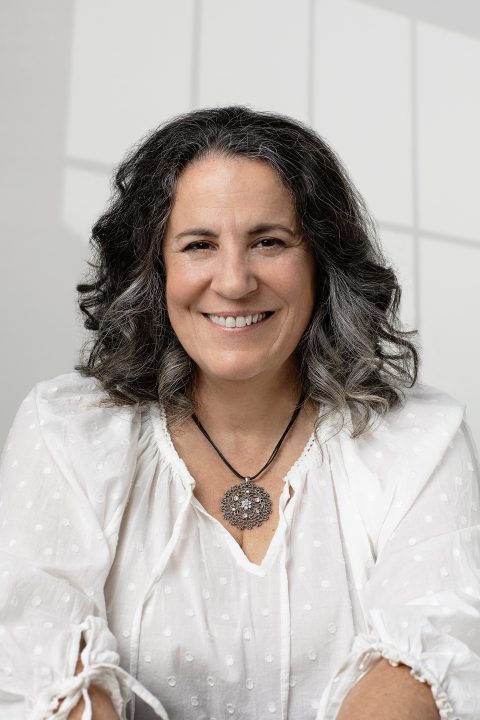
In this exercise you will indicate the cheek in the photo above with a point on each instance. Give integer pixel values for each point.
(177, 297)
(182, 286)
(299, 288)
(174, 291)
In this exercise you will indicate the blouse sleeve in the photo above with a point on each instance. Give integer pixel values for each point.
(422, 598)
(64, 481)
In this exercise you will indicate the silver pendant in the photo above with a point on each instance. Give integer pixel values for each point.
(246, 505)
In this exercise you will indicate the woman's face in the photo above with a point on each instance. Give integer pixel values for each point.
(239, 280)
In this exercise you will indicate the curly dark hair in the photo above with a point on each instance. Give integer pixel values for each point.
(354, 353)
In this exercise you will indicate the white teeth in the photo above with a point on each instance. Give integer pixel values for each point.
(239, 321)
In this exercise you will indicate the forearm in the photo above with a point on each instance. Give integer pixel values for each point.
(102, 706)
(389, 692)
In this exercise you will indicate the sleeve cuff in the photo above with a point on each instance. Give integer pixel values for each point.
(101, 668)
(366, 646)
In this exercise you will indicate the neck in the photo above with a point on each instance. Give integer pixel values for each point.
(241, 408)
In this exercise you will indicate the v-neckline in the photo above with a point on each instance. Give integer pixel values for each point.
(291, 478)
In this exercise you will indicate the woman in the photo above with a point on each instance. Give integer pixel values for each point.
(241, 504)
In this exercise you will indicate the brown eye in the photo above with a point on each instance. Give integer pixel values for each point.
(199, 245)
(270, 242)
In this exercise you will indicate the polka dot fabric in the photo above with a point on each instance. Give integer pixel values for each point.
(376, 554)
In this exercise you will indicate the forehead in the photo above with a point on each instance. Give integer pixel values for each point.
(237, 184)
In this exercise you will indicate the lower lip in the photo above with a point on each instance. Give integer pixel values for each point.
(239, 330)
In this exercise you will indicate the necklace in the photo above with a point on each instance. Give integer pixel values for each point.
(246, 505)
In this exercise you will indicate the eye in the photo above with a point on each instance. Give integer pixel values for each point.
(198, 245)
(270, 242)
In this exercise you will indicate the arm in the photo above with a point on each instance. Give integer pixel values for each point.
(102, 707)
(421, 600)
(54, 557)
(389, 692)
(57, 543)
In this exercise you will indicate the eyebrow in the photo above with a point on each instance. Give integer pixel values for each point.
(264, 227)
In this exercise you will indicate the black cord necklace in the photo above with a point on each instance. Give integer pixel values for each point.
(246, 505)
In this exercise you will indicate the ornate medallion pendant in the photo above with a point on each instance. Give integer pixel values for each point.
(246, 505)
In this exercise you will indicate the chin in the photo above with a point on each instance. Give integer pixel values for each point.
(231, 375)
(232, 372)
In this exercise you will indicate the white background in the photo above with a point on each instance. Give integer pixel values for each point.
(393, 86)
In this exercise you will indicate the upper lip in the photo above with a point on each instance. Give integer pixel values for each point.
(238, 313)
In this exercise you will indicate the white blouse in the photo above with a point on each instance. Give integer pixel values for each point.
(376, 554)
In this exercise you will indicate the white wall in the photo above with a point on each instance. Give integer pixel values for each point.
(391, 84)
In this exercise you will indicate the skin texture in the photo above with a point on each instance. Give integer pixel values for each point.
(246, 382)
(232, 267)
(102, 708)
(389, 692)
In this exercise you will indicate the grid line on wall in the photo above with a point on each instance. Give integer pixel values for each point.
(93, 166)
(430, 234)
(195, 60)
(415, 170)
(311, 63)
(105, 169)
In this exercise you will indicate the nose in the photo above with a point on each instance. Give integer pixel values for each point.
(233, 275)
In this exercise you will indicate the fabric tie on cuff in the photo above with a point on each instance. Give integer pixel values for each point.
(74, 688)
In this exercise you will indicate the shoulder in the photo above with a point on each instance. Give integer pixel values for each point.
(75, 416)
(71, 406)
(63, 434)
(420, 427)
(70, 397)
(419, 432)
(67, 389)
(53, 399)
(68, 417)
(426, 410)
(389, 465)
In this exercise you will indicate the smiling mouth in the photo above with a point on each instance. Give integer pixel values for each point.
(239, 321)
